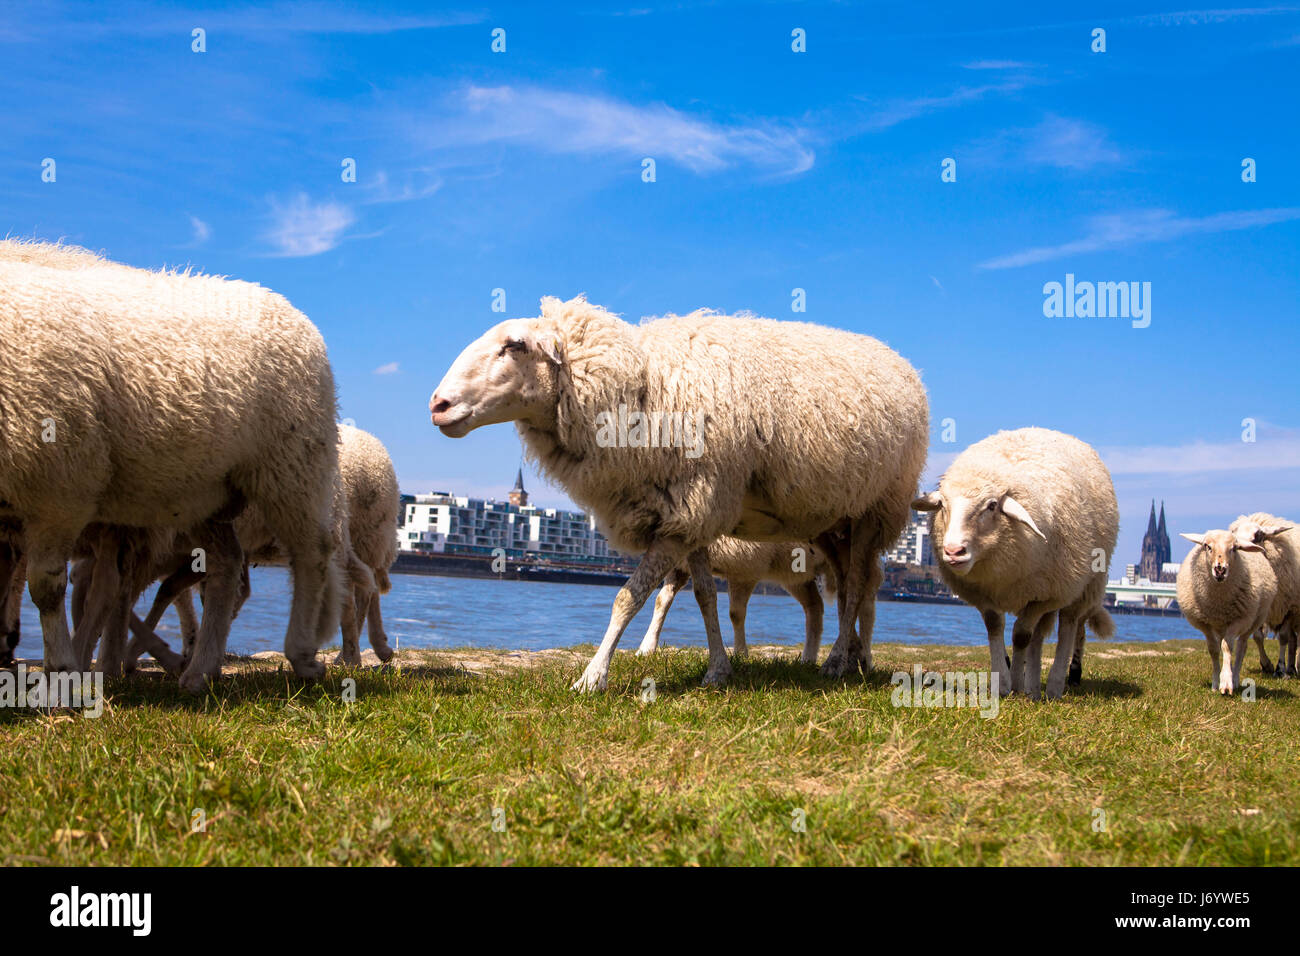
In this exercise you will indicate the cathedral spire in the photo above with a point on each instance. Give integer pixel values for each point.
(518, 496)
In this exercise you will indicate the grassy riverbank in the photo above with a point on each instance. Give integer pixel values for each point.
(1143, 764)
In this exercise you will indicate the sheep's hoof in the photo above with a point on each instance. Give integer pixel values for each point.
(1076, 675)
(195, 683)
(589, 683)
(644, 651)
(739, 653)
(309, 669)
(1226, 690)
(384, 652)
(716, 677)
(1278, 671)
(343, 659)
(837, 665)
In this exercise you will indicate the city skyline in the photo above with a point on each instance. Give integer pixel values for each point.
(820, 171)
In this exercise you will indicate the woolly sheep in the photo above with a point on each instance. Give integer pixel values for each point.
(1281, 543)
(364, 526)
(1226, 589)
(744, 564)
(1025, 523)
(157, 400)
(686, 428)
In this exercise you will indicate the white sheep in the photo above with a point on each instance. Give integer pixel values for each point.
(364, 525)
(1025, 523)
(794, 566)
(1226, 588)
(687, 428)
(1281, 543)
(163, 400)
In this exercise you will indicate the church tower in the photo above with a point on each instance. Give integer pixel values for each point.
(1156, 550)
(518, 496)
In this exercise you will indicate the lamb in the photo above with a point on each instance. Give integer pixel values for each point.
(1226, 589)
(687, 428)
(1027, 521)
(1281, 544)
(162, 400)
(744, 564)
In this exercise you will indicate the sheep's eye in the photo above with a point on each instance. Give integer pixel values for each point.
(992, 505)
(513, 345)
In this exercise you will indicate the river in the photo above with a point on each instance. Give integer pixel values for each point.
(427, 611)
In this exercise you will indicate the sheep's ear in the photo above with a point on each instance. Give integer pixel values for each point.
(1247, 546)
(930, 502)
(548, 345)
(1273, 530)
(1193, 538)
(1014, 509)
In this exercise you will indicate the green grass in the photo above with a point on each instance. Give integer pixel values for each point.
(410, 773)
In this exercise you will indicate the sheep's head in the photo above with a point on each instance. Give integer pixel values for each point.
(969, 526)
(507, 374)
(1218, 549)
(1249, 530)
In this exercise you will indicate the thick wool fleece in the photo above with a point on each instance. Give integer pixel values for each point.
(802, 426)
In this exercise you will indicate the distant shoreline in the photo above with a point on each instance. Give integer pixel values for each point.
(480, 566)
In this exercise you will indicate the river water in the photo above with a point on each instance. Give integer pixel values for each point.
(427, 611)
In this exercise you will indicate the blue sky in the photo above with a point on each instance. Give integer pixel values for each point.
(775, 170)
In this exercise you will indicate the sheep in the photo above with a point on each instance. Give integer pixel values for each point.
(687, 428)
(744, 564)
(1226, 589)
(1281, 544)
(163, 400)
(1026, 521)
(364, 528)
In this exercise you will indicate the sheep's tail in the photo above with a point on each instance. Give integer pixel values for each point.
(1102, 624)
(828, 583)
(359, 574)
(382, 581)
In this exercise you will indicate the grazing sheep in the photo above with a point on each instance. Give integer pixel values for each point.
(1281, 544)
(1226, 589)
(687, 428)
(160, 400)
(1026, 523)
(744, 564)
(364, 525)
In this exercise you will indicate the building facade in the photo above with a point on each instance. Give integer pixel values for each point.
(1156, 551)
(913, 545)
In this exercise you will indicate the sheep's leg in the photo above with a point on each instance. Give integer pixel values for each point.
(375, 621)
(1238, 658)
(1212, 644)
(663, 603)
(995, 623)
(225, 557)
(706, 595)
(184, 605)
(1076, 662)
(845, 652)
(101, 596)
(313, 610)
(170, 590)
(1034, 656)
(82, 572)
(145, 641)
(867, 612)
(1264, 663)
(47, 582)
(1290, 650)
(738, 595)
(112, 645)
(350, 655)
(1022, 635)
(11, 577)
(809, 597)
(661, 557)
(1071, 625)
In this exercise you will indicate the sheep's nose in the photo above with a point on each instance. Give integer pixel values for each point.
(438, 405)
(954, 551)
(1220, 572)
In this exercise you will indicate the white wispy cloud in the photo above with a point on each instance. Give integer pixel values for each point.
(388, 368)
(581, 123)
(301, 227)
(420, 183)
(202, 231)
(886, 115)
(998, 65)
(1143, 225)
(1069, 144)
(1183, 18)
(1197, 458)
